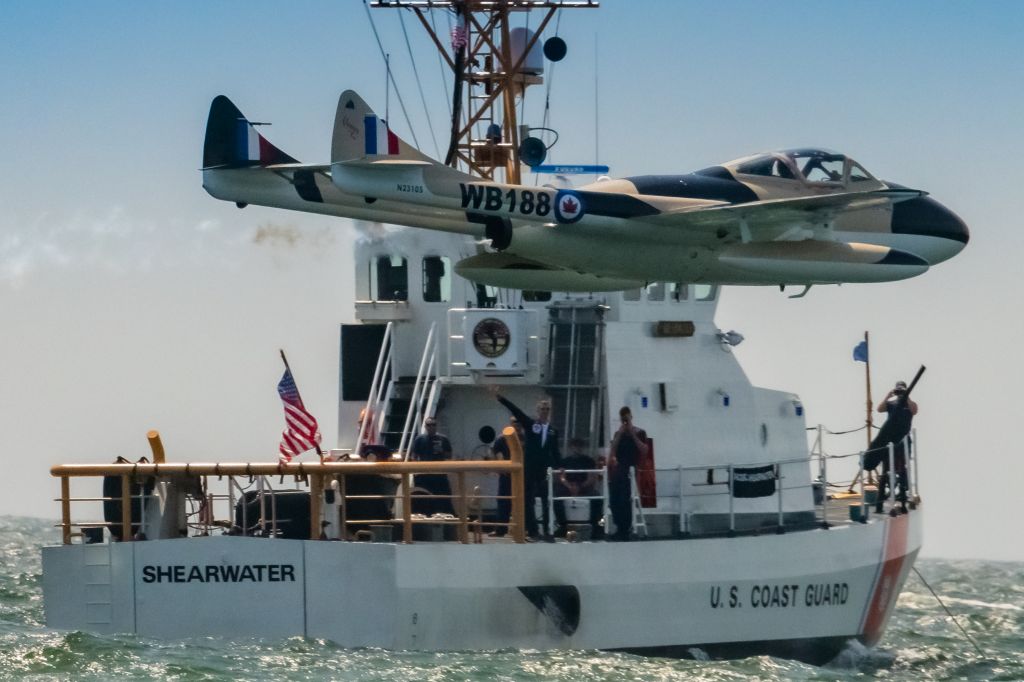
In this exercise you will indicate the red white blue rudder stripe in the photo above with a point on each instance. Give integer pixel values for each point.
(380, 141)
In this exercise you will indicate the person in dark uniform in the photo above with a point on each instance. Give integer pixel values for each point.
(433, 447)
(628, 445)
(900, 410)
(501, 451)
(579, 481)
(540, 452)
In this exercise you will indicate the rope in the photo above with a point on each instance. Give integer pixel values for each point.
(391, 76)
(419, 84)
(839, 433)
(948, 612)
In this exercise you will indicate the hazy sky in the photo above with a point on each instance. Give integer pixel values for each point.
(132, 300)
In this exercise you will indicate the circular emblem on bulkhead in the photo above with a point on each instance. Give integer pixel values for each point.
(568, 206)
(491, 337)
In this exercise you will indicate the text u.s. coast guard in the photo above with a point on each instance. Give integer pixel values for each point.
(774, 595)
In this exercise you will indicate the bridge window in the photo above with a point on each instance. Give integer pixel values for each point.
(437, 279)
(486, 296)
(656, 291)
(705, 292)
(536, 296)
(631, 295)
(389, 279)
(677, 291)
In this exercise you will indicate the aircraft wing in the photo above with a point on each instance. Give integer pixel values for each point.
(764, 218)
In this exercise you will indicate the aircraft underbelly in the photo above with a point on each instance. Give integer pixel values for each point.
(610, 256)
(263, 189)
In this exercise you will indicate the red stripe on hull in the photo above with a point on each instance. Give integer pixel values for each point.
(887, 584)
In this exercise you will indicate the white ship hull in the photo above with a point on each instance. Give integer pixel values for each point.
(800, 594)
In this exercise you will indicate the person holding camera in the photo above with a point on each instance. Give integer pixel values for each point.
(896, 430)
(628, 445)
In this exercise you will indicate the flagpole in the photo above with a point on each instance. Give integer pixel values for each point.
(289, 369)
(868, 419)
(867, 378)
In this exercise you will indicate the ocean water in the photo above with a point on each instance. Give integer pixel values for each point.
(920, 642)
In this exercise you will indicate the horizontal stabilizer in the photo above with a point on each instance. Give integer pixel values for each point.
(789, 210)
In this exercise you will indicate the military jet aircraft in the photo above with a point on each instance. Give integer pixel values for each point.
(794, 217)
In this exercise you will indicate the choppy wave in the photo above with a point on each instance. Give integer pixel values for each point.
(920, 643)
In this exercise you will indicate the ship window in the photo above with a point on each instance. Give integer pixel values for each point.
(704, 292)
(486, 296)
(536, 296)
(437, 279)
(389, 279)
(677, 291)
(631, 295)
(656, 291)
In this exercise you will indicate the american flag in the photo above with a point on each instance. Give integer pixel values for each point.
(460, 38)
(302, 433)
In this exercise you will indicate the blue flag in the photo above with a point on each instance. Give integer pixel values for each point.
(860, 352)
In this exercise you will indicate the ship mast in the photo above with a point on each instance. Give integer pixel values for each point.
(488, 65)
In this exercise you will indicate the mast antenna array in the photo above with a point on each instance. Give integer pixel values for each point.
(489, 56)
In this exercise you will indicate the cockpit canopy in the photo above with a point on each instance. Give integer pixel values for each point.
(815, 166)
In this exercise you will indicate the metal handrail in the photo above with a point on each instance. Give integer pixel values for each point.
(371, 400)
(317, 473)
(425, 360)
(602, 472)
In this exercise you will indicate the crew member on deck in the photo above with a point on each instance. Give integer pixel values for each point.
(628, 445)
(900, 410)
(433, 447)
(539, 453)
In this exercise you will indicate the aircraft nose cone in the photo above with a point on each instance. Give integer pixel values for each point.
(928, 218)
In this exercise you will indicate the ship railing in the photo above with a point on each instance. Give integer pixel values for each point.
(318, 478)
(864, 483)
(373, 413)
(602, 486)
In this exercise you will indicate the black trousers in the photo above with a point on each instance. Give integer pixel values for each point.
(901, 480)
(536, 487)
(620, 500)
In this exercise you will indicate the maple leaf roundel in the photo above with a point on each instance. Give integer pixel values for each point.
(568, 206)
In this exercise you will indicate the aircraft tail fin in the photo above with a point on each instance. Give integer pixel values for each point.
(359, 134)
(232, 141)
